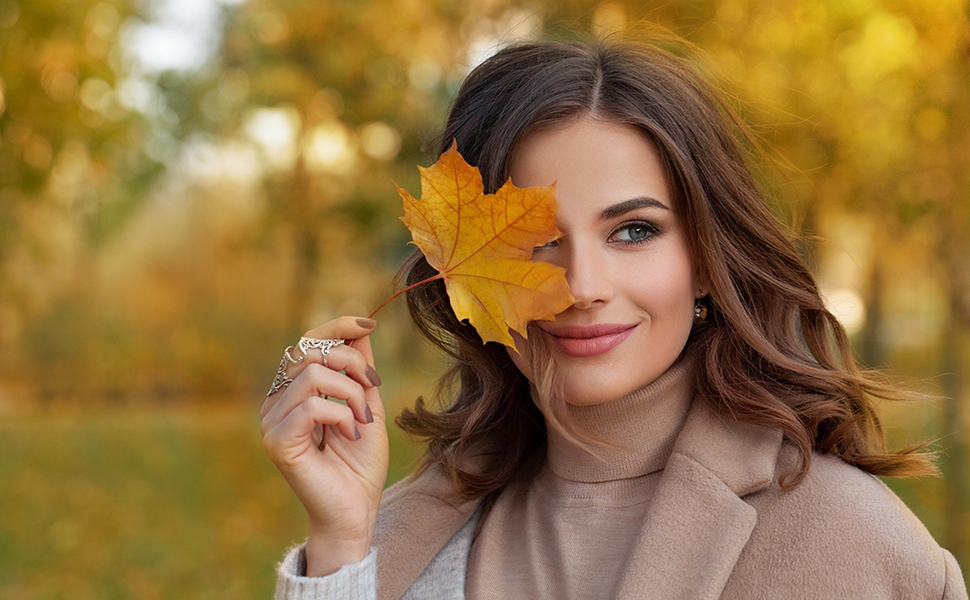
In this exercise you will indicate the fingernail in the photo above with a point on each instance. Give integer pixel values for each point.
(367, 323)
(368, 415)
(372, 376)
(356, 433)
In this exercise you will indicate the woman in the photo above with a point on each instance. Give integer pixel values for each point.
(692, 427)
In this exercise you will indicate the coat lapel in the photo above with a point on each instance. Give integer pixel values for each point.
(418, 517)
(691, 538)
(698, 524)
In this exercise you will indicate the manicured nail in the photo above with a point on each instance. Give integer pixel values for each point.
(372, 376)
(367, 323)
(368, 415)
(356, 433)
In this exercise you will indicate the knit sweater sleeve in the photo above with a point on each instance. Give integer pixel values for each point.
(955, 588)
(357, 581)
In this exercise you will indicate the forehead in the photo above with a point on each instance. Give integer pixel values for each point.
(593, 163)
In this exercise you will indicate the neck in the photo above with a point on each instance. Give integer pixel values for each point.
(640, 429)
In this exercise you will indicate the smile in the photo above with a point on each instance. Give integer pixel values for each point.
(590, 341)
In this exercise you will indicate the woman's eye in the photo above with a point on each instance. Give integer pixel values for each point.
(551, 244)
(632, 233)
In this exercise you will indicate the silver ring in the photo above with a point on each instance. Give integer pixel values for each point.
(282, 380)
(323, 345)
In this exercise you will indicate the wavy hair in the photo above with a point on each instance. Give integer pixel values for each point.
(769, 352)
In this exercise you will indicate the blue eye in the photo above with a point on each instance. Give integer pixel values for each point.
(634, 233)
(551, 244)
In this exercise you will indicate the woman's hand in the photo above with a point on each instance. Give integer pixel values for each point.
(341, 486)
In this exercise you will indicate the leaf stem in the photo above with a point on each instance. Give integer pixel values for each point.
(323, 442)
(398, 293)
(401, 291)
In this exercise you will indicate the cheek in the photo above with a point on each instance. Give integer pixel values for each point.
(681, 275)
(668, 291)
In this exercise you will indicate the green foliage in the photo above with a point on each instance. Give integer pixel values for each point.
(159, 504)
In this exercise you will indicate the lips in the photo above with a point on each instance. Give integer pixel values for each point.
(590, 340)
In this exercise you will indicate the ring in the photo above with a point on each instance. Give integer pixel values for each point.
(323, 345)
(282, 380)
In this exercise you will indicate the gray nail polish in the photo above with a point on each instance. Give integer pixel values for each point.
(356, 433)
(368, 414)
(367, 323)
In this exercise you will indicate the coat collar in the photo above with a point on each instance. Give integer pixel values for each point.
(698, 523)
(692, 536)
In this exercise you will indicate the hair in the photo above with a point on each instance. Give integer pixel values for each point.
(768, 353)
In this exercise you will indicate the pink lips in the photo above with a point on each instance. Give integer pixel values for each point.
(592, 340)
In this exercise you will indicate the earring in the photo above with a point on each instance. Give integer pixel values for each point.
(700, 312)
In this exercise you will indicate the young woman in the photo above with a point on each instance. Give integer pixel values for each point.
(692, 427)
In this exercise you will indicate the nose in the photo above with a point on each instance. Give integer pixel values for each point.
(588, 276)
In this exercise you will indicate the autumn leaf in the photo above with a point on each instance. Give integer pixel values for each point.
(481, 245)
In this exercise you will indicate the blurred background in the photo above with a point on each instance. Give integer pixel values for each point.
(187, 185)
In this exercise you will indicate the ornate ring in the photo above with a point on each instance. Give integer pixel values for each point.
(323, 345)
(297, 354)
(281, 380)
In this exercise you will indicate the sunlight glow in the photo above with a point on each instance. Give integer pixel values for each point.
(488, 36)
(181, 36)
(231, 161)
(328, 148)
(379, 140)
(848, 307)
(275, 130)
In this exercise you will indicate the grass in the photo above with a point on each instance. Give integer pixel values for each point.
(174, 503)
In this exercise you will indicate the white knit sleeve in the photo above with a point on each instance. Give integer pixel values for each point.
(357, 581)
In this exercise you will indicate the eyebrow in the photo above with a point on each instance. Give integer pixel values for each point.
(628, 205)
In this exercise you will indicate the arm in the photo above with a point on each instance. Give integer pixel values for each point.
(357, 581)
(341, 486)
(955, 588)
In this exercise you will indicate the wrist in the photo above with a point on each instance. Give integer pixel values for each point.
(326, 554)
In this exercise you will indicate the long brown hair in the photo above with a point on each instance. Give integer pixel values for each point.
(769, 353)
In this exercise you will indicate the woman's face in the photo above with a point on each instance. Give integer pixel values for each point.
(625, 255)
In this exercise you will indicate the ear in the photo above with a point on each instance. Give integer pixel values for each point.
(701, 287)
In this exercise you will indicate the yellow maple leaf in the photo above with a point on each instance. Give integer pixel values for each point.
(481, 245)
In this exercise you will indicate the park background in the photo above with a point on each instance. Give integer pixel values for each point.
(186, 185)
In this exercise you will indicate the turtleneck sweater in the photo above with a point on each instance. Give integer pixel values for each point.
(566, 532)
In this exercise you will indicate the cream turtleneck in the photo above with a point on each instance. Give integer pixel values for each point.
(567, 532)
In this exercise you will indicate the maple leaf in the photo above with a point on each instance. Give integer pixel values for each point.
(481, 245)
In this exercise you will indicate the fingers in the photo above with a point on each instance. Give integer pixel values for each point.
(348, 328)
(301, 421)
(349, 360)
(339, 358)
(317, 410)
(343, 328)
(357, 362)
(318, 381)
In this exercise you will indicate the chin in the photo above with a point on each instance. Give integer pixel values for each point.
(589, 392)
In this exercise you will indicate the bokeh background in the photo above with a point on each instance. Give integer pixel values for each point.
(186, 185)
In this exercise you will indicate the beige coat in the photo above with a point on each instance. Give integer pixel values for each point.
(720, 527)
